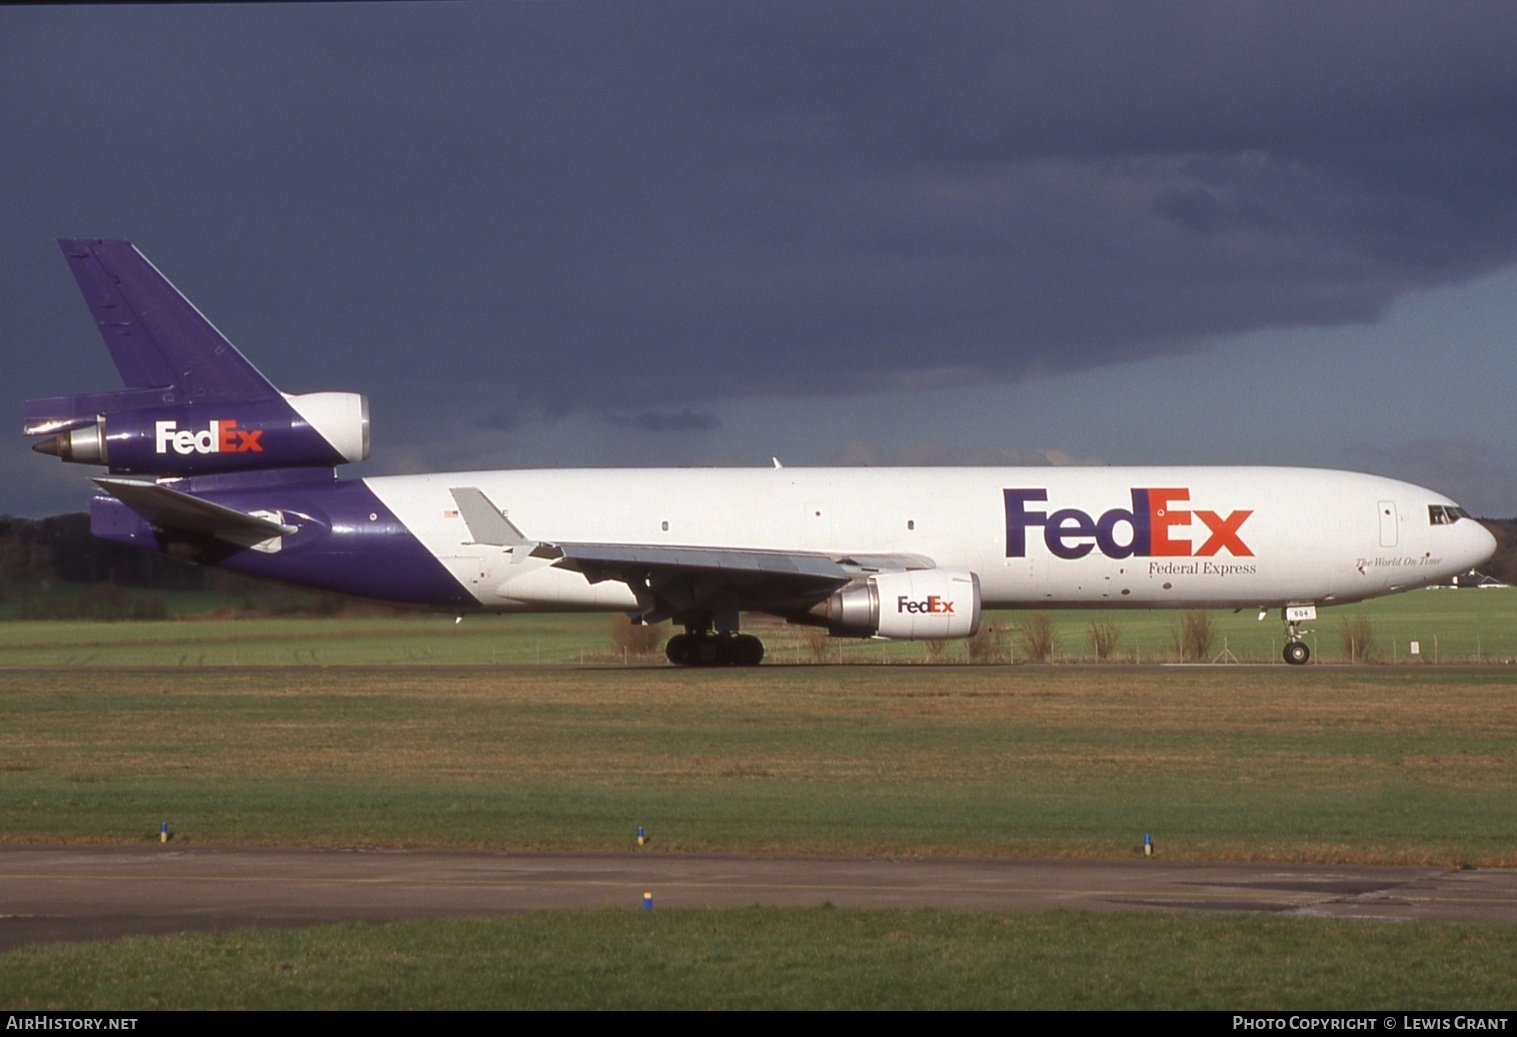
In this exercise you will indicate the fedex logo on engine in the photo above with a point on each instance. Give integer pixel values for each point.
(1154, 527)
(223, 437)
(933, 604)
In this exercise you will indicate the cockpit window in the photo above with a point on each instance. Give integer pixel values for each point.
(1445, 514)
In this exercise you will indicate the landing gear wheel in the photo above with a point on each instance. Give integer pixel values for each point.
(1296, 653)
(710, 651)
(747, 650)
(703, 648)
(677, 650)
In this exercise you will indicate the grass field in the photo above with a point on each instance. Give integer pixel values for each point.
(1449, 626)
(1392, 765)
(787, 958)
(1408, 763)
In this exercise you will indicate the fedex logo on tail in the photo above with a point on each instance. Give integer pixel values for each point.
(223, 437)
(1160, 524)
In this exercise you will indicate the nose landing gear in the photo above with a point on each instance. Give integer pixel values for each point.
(1297, 651)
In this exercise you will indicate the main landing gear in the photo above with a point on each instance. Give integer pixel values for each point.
(706, 648)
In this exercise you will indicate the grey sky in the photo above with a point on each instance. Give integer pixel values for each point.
(596, 233)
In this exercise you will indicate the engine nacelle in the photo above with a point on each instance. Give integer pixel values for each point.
(321, 429)
(919, 604)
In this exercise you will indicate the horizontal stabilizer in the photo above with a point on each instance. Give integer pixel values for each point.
(171, 509)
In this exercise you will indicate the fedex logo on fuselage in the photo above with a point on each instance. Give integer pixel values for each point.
(1154, 527)
(933, 604)
(223, 437)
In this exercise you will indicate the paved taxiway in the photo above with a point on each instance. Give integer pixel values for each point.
(92, 892)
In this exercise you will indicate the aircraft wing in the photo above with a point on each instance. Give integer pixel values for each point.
(618, 561)
(671, 579)
(171, 509)
(614, 561)
(674, 581)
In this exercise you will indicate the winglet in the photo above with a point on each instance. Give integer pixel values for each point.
(488, 524)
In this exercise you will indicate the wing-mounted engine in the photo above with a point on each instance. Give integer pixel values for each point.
(193, 404)
(919, 604)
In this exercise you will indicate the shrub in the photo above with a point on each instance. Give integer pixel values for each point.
(817, 642)
(1192, 636)
(1103, 636)
(988, 645)
(634, 638)
(1038, 638)
(1358, 637)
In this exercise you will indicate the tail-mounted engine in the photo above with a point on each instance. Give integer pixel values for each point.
(136, 432)
(192, 405)
(919, 604)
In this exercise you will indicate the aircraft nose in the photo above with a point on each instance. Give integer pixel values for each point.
(1479, 545)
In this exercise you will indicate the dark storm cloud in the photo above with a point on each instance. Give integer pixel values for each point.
(683, 420)
(571, 205)
(1471, 470)
(938, 455)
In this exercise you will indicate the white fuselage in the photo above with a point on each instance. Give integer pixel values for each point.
(1096, 537)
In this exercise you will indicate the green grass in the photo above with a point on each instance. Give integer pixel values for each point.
(1450, 626)
(1393, 765)
(404, 641)
(434, 746)
(786, 958)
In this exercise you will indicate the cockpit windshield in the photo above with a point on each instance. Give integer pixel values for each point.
(1445, 514)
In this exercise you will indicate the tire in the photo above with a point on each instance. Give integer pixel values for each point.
(747, 650)
(677, 650)
(708, 651)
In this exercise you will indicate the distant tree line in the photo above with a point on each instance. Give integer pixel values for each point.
(60, 548)
(52, 568)
(1504, 566)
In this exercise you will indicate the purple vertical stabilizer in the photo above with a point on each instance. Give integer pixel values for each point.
(157, 338)
(193, 404)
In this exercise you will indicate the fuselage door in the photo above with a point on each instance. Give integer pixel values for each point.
(1388, 523)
